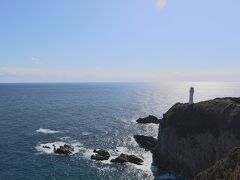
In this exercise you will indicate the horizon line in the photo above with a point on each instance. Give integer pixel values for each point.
(154, 82)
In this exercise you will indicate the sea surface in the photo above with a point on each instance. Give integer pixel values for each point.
(87, 115)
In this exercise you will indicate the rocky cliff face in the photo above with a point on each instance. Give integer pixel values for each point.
(193, 137)
(228, 168)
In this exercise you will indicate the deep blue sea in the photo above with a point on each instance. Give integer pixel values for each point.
(87, 115)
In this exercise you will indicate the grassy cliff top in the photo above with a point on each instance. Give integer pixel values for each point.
(213, 116)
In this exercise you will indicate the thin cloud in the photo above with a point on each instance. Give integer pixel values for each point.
(161, 4)
(35, 61)
(36, 74)
(40, 74)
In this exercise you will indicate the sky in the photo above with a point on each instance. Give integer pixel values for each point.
(126, 40)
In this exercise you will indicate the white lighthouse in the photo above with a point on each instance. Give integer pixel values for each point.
(191, 95)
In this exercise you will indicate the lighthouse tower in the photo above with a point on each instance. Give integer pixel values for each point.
(191, 95)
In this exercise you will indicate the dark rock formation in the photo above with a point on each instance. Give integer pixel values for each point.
(193, 137)
(66, 149)
(149, 119)
(69, 147)
(46, 147)
(228, 168)
(123, 158)
(147, 142)
(100, 155)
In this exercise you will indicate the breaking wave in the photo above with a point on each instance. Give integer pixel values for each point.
(46, 131)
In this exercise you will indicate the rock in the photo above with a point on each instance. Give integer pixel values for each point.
(102, 152)
(193, 137)
(100, 155)
(46, 147)
(69, 147)
(228, 168)
(135, 160)
(66, 149)
(63, 150)
(147, 142)
(149, 119)
(123, 158)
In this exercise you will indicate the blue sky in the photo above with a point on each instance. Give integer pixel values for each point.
(127, 40)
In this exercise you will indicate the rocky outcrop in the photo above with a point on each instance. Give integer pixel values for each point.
(100, 155)
(69, 147)
(46, 147)
(228, 168)
(193, 137)
(147, 142)
(66, 149)
(123, 158)
(149, 119)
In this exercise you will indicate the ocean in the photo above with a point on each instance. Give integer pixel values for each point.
(88, 116)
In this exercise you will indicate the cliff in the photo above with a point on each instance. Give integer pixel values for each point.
(228, 168)
(193, 137)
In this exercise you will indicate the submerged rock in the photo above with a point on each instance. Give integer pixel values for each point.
(66, 149)
(123, 158)
(228, 168)
(193, 137)
(100, 155)
(149, 119)
(46, 147)
(147, 142)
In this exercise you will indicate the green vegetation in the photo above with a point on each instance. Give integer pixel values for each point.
(226, 169)
(214, 117)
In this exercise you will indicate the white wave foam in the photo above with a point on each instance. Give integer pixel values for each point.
(133, 149)
(46, 131)
(40, 147)
(65, 138)
(86, 133)
(87, 153)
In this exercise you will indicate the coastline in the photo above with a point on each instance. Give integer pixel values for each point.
(192, 138)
